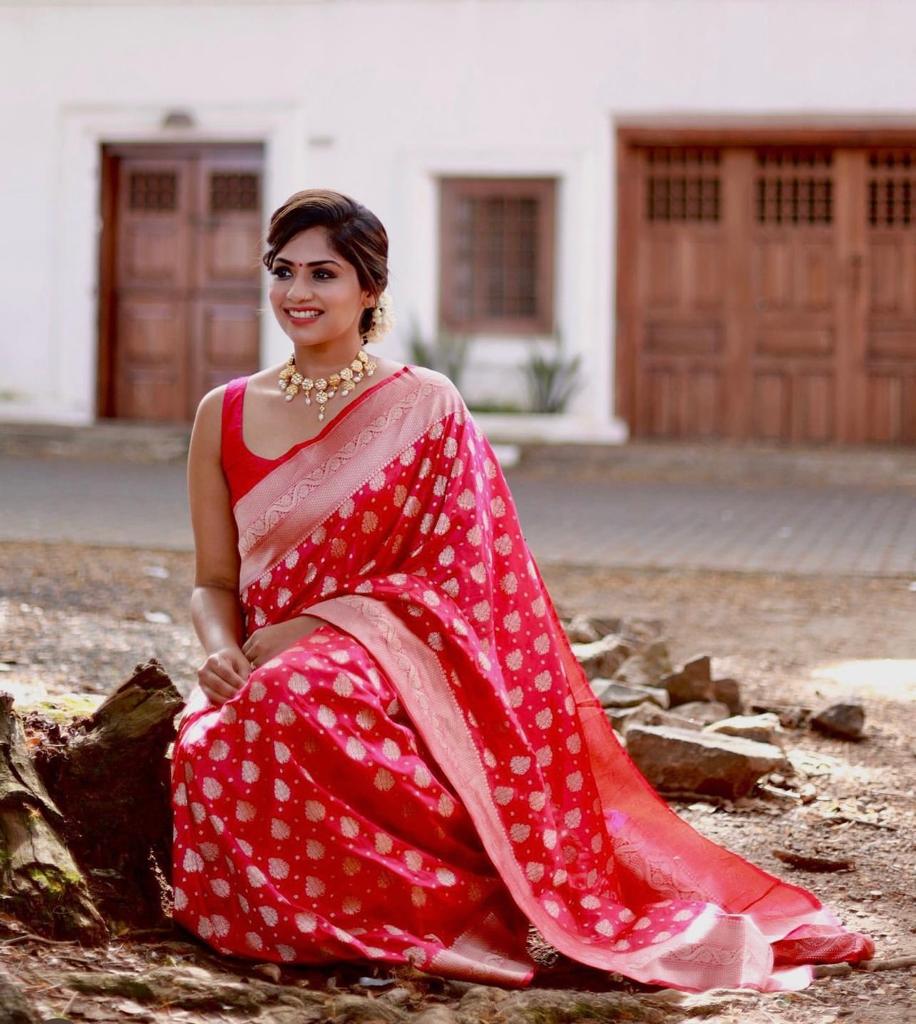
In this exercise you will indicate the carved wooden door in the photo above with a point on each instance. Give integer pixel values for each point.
(791, 386)
(888, 271)
(681, 384)
(180, 281)
(768, 292)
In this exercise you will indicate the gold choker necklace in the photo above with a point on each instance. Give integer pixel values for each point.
(343, 381)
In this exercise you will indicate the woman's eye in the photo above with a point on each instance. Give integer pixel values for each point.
(279, 272)
(326, 275)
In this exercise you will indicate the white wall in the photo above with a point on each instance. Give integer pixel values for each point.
(375, 97)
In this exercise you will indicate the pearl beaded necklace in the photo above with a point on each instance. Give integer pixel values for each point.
(325, 388)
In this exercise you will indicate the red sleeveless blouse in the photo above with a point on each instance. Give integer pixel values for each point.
(244, 469)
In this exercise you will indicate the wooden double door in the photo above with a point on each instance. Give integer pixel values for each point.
(767, 291)
(180, 281)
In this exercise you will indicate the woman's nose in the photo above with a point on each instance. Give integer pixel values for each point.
(300, 288)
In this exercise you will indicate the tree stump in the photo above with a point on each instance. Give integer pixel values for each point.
(85, 811)
(39, 881)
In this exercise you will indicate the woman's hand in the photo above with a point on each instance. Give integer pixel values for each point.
(223, 674)
(268, 641)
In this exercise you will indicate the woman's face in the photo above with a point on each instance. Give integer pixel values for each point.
(315, 293)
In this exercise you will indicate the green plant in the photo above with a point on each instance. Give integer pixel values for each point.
(446, 352)
(551, 380)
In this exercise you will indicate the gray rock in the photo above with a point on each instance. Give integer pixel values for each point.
(612, 694)
(678, 760)
(651, 714)
(728, 691)
(637, 671)
(605, 626)
(847, 721)
(580, 630)
(760, 728)
(692, 682)
(601, 657)
(704, 712)
(657, 656)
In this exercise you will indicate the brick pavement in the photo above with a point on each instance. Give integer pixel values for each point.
(612, 523)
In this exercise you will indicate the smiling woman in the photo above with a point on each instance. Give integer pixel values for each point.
(393, 754)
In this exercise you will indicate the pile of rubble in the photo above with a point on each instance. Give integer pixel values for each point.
(688, 732)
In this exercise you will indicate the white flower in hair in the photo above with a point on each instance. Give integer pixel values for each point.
(382, 318)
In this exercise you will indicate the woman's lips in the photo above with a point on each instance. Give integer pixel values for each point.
(311, 318)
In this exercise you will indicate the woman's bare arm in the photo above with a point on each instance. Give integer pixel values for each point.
(215, 609)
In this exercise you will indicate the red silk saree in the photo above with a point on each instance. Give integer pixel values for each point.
(428, 775)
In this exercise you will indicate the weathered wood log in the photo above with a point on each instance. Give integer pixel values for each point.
(39, 881)
(108, 774)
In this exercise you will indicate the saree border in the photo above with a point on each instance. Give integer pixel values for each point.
(430, 702)
(297, 496)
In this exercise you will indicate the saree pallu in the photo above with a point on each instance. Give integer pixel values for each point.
(428, 774)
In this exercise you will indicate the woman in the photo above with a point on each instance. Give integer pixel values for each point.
(393, 754)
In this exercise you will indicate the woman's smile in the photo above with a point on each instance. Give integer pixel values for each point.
(304, 315)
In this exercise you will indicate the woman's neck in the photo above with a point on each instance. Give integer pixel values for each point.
(315, 362)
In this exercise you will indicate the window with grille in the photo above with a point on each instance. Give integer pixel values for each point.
(891, 188)
(233, 191)
(497, 255)
(682, 183)
(794, 186)
(153, 191)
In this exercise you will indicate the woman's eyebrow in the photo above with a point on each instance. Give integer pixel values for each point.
(313, 263)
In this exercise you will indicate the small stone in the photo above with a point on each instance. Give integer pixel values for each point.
(843, 720)
(637, 671)
(846, 721)
(762, 728)
(656, 654)
(603, 657)
(580, 630)
(158, 618)
(269, 971)
(693, 682)
(704, 712)
(436, 1015)
(677, 760)
(612, 694)
(651, 714)
(728, 691)
(808, 793)
(398, 996)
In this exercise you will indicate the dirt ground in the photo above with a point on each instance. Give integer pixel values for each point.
(78, 619)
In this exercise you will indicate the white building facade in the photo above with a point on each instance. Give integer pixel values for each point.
(387, 100)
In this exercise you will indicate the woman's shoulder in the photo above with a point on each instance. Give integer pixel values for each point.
(434, 378)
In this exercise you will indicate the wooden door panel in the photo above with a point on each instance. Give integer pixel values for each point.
(890, 333)
(815, 400)
(662, 272)
(793, 296)
(771, 405)
(153, 210)
(682, 338)
(225, 335)
(153, 252)
(227, 340)
(681, 291)
(151, 383)
(771, 263)
(150, 330)
(186, 288)
(794, 341)
(889, 288)
(706, 267)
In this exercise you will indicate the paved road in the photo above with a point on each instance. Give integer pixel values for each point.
(621, 524)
